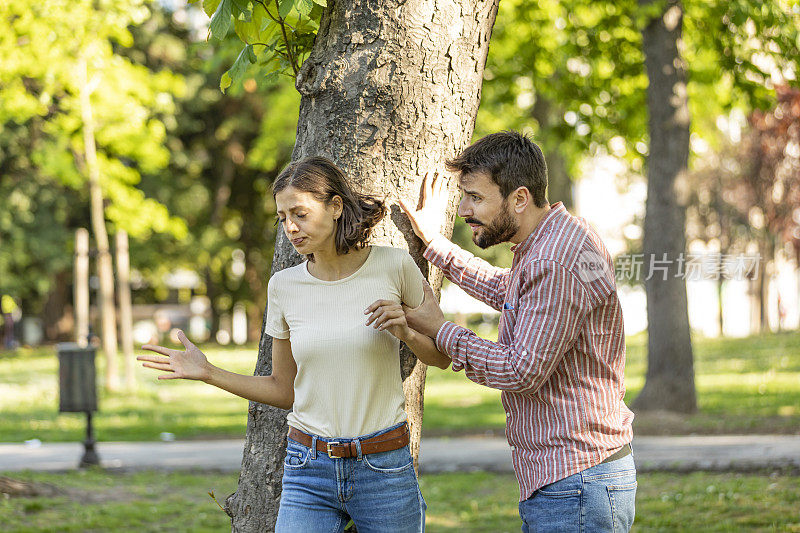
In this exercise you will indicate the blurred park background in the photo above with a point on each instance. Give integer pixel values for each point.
(140, 151)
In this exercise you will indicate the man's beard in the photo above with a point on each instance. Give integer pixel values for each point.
(500, 229)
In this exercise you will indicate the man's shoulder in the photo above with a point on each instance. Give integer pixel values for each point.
(565, 239)
(574, 246)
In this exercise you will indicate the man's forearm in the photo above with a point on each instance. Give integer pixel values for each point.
(511, 368)
(426, 351)
(472, 274)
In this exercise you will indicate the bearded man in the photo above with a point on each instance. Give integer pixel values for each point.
(560, 356)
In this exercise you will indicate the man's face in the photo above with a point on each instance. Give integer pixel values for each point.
(483, 207)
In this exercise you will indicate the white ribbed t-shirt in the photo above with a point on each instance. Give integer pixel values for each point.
(348, 374)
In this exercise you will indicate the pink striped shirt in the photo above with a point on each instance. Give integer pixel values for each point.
(560, 356)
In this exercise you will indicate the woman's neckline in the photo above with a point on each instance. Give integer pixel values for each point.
(340, 280)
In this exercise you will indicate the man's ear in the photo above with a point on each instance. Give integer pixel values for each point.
(521, 198)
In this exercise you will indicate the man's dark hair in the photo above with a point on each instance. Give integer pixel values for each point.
(511, 159)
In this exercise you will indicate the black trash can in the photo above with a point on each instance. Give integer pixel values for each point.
(78, 390)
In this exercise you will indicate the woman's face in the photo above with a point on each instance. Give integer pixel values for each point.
(308, 223)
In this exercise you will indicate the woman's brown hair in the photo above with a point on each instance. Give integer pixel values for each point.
(322, 178)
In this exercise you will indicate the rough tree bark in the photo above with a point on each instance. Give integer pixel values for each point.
(390, 91)
(669, 382)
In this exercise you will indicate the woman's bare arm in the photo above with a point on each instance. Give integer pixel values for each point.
(276, 389)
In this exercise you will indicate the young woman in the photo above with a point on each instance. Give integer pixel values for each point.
(336, 368)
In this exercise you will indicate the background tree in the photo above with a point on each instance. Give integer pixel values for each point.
(721, 34)
(585, 63)
(670, 371)
(225, 150)
(714, 214)
(569, 72)
(55, 87)
(37, 220)
(745, 194)
(771, 159)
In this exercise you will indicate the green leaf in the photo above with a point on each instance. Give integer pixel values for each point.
(239, 67)
(224, 82)
(241, 8)
(210, 6)
(248, 30)
(304, 6)
(315, 16)
(322, 3)
(269, 30)
(285, 8)
(221, 21)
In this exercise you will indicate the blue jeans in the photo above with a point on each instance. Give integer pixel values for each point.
(599, 499)
(378, 491)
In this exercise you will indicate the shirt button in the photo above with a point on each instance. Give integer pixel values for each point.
(508, 415)
(524, 352)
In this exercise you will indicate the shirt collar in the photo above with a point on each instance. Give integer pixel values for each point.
(555, 211)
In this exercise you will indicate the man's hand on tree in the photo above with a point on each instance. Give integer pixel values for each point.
(428, 220)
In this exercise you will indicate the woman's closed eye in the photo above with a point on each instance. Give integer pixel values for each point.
(282, 220)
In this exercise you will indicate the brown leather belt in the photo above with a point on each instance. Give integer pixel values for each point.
(385, 442)
(619, 454)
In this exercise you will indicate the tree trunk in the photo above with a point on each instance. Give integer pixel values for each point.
(760, 293)
(721, 302)
(724, 247)
(389, 92)
(56, 313)
(105, 272)
(797, 266)
(764, 281)
(669, 382)
(221, 197)
(81, 290)
(559, 182)
(125, 308)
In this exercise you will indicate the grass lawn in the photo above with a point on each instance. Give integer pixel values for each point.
(747, 385)
(463, 502)
(29, 402)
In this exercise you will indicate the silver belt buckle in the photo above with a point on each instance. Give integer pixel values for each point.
(330, 452)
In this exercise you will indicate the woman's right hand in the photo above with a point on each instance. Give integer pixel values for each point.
(387, 315)
(178, 364)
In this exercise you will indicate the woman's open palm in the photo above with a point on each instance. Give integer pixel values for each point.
(178, 364)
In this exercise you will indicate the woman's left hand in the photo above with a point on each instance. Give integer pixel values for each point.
(389, 316)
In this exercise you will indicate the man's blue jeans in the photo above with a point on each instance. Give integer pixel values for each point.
(599, 499)
(378, 491)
